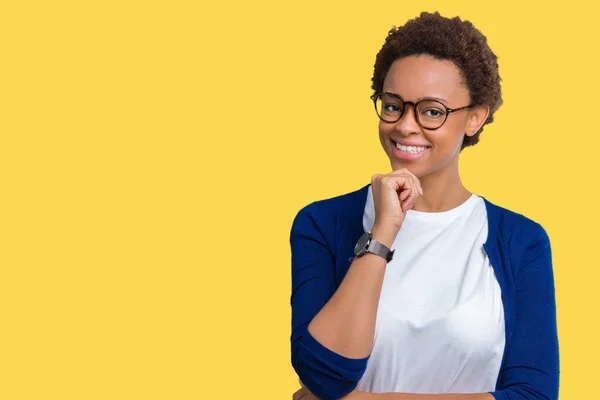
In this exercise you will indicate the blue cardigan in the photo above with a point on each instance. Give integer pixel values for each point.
(322, 240)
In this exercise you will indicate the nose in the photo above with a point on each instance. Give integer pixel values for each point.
(408, 123)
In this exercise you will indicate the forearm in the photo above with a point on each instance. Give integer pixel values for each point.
(346, 324)
(413, 396)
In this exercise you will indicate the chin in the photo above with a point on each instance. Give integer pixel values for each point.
(415, 169)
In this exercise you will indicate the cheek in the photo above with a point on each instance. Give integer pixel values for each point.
(449, 136)
(382, 133)
(385, 129)
(382, 140)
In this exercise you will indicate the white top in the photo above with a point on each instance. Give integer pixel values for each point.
(440, 321)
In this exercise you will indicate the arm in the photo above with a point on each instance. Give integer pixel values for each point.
(412, 396)
(346, 324)
(531, 368)
(332, 328)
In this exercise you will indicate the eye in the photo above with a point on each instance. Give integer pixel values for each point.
(392, 107)
(433, 113)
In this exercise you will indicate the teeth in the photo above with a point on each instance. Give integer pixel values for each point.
(411, 149)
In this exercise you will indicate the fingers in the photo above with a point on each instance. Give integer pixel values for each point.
(394, 194)
(396, 181)
(303, 393)
(416, 190)
(300, 394)
(415, 181)
(409, 185)
(409, 199)
(404, 194)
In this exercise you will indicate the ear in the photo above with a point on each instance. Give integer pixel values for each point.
(477, 117)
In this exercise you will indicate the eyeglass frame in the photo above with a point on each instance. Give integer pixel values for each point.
(414, 106)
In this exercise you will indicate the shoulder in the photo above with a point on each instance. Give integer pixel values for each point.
(521, 235)
(328, 218)
(337, 207)
(510, 223)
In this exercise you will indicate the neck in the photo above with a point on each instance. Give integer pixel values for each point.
(442, 190)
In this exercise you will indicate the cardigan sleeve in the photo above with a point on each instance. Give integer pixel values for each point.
(531, 367)
(328, 375)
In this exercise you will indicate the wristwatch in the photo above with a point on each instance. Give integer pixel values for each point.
(366, 244)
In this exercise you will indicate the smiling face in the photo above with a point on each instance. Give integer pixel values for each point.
(432, 151)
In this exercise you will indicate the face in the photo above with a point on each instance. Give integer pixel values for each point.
(414, 78)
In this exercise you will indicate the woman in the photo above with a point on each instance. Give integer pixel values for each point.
(412, 287)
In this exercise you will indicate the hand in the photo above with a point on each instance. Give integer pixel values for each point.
(305, 394)
(393, 195)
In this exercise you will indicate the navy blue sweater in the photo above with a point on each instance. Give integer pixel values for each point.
(322, 240)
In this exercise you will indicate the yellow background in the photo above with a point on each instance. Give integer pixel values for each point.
(154, 153)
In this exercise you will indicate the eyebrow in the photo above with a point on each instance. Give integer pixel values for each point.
(441, 100)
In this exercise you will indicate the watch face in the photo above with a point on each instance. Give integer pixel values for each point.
(361, 245)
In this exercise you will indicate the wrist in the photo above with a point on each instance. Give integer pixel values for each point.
(385, 235)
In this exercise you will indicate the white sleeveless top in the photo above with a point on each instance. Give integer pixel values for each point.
(440, 321)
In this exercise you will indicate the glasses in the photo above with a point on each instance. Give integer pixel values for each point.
(429, 114)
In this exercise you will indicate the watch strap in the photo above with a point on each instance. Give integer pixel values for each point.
(380, 249)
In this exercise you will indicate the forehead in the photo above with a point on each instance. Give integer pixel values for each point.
(414, 77)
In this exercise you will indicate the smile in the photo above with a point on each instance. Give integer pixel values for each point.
(409, 153)
(411, 149)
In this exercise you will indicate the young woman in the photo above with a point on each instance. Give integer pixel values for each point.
(413, 287)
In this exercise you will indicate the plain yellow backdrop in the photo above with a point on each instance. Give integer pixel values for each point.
(153, 155)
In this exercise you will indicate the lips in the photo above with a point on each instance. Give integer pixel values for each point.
(410, 152)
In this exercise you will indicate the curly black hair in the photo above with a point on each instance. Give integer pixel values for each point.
(446, 39)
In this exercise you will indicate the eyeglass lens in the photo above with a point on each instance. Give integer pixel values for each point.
(431, 114)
